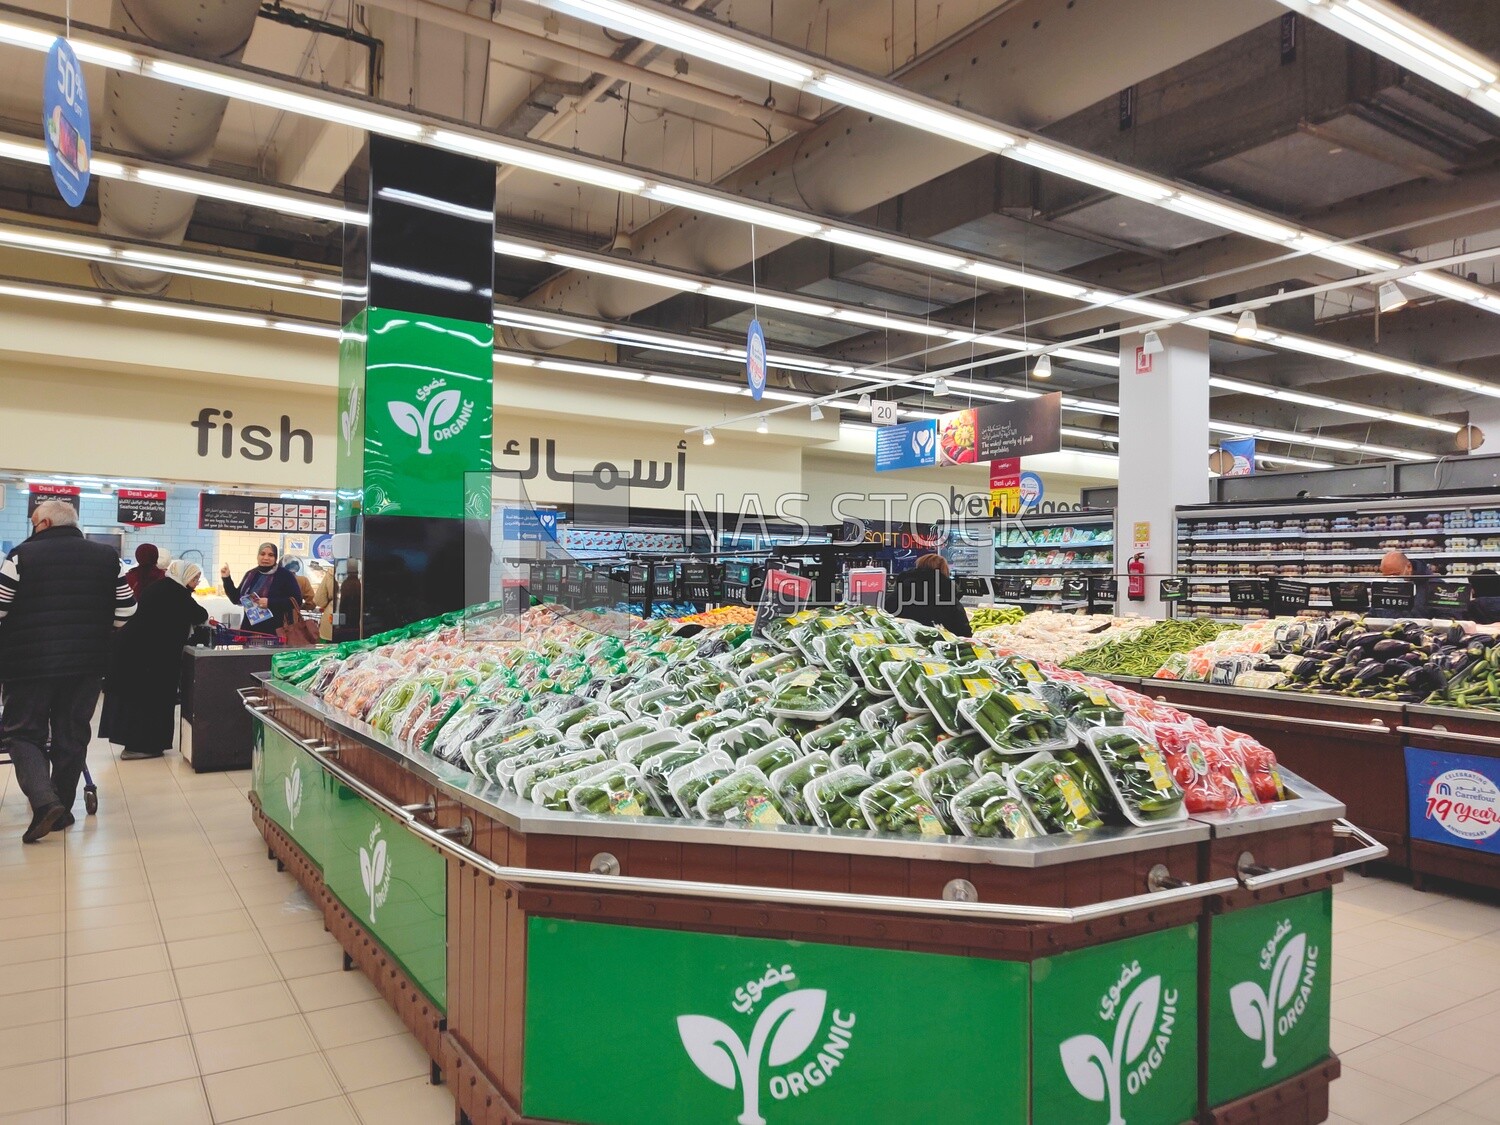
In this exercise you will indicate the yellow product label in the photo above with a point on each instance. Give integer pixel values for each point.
(759, 810)
(1026, 702)
(928, 824)
(801, 615)
(1158, 770)
(1096, 697)
(1280, 788)
(758, 657)
(838, 621)
(1072, 794)
(864, 640)
(521, 734)
(803, 679)
(982, 653)
(978, 685)
(933, 669)
(625, 804)
(1028, 672)
(1242, 782)
(904, 652)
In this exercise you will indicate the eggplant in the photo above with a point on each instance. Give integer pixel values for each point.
(1365, 640)
(1305, 669)
(1385, 650)
(1396, 667)
(1369, 670)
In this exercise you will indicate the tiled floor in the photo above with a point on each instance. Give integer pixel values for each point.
(155, 969)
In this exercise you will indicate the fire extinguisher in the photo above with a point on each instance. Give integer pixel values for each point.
(1135, 586)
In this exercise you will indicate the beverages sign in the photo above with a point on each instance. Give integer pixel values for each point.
(764, 1032)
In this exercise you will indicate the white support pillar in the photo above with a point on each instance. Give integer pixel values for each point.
(1164, 443)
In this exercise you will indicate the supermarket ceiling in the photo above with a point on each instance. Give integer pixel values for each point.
(1076, 200)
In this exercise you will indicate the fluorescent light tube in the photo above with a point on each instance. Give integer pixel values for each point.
(730, 209)
(890, 248)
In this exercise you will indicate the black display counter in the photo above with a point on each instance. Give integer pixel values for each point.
(216, 733)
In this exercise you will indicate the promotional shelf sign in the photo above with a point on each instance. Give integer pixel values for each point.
(143, 507)
(1270, 984)
(1454, 799)
(38, 493)
(755, 360)
(1005, 486)
(65, 110)
(1242, 454)
(234, 512)
(753, 1030)
(992, 432)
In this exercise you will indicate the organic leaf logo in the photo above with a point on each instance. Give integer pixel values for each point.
(293, 788)
(1255, 1009)
(372, 872)
(1096, 1070)
(349, 420)
(789, 1025)
(419, 423)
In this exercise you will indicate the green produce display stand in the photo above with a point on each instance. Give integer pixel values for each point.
(612, 971)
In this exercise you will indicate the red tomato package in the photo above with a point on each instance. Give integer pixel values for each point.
(1211, 779)
(1260, 764)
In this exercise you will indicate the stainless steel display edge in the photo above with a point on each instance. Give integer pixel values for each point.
(523, 816)
(1231, 692)
(1312, 806)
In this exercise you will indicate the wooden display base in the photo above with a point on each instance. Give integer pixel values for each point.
(1461, 865)
(1300, 1100)
(361, 951)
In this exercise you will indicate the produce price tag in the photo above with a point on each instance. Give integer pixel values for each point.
(640, 575)
(1075, 586)
(1028, 672)
(783, 594)
(1397, 597)
(663, 580)
(598, 586)
(1173, 589)
(1158, 770)
(1448, 595)
(142, 507)
(1247, 591)
(971, 587)
(571, 590)
(1104, 589)
(1292, 595)
(699, 582)
(1349, 595)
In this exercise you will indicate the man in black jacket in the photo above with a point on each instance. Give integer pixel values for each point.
(61, 597)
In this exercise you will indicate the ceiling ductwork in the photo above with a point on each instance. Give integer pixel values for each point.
(164, 122)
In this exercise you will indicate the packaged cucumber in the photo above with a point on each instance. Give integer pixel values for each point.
(590, 731)
(745, 796)
(961, 650)
(617, 791)
(810, 693)
(624, 731)
(1137, 773)
(941, 692)
(869, 660)
(895, 804)
(911, 758)
(1054, 796)
(988, 809)
(859, 749)
(689, 782)
(1016, 721)
(790, 781)
(707, 689)
(527, 777)
(941, 784)
(749, 654)
(1085, 770)
(833, 798)
(712, 724)
(585, 711)
(795, 729)
(745, 736)
(989, 760)
(1085, 706)
(883, 717)
(767, 671)
(902, 677)
(772, 756)
(965, 747)
(658, 769)
(924, 731)
(830, 736)
(552, 792)
(835, 651)
(778, 630)
(660, 702)
(924, 636)
(747, 697)
(489, 758)
(636, 750)
(1014, 671)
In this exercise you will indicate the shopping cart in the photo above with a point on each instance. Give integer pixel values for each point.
(90, 790)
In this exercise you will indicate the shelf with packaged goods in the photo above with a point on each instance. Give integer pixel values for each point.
(999, 567)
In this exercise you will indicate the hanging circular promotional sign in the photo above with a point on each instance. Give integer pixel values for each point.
(65, 108)
(755, 360)
(322, 548)
(1031, 491)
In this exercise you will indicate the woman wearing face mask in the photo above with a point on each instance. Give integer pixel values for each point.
(150, 664)
(268, 592)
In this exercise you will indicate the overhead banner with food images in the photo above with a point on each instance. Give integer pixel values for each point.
(991, 432)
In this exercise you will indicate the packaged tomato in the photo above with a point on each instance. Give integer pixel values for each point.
(1204, 772)
(1260, 764)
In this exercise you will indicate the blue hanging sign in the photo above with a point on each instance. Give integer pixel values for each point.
(65, 107)
(1031, 491)
(1242, 450)
(755, 360)
(913, 445)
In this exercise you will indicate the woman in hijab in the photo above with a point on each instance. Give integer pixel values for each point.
(268, 592)
(151, 660)
(146, 569)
